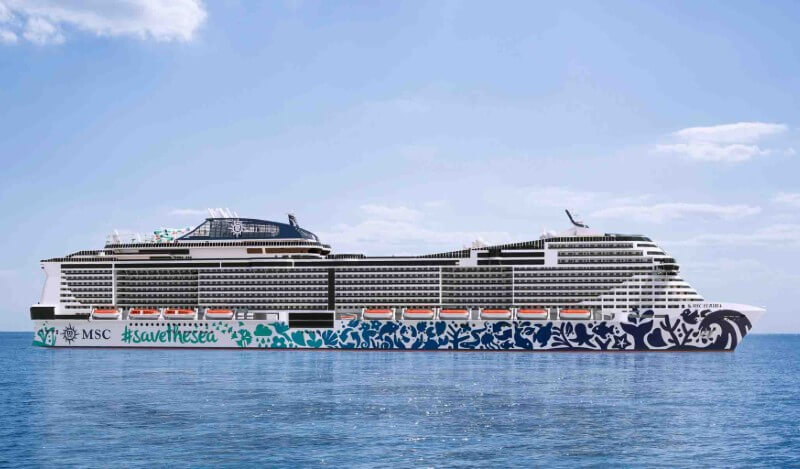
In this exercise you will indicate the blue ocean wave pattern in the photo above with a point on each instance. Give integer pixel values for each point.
(200, 408)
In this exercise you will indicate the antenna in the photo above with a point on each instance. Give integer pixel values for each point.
(576, 223)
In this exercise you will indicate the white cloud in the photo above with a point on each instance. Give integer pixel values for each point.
(397, 230)
(728, 142)
(787, 198)
(705, 151)
(188, 212)
(740, 132)
(45, 21)
(663, 212)
(774, 235)
(7, 37)
(40, 31)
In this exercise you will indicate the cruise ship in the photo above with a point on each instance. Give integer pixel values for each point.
(246, 283)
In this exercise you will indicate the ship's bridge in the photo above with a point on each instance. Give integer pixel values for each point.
(228, 229)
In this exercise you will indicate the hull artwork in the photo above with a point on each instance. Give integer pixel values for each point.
(712, 330)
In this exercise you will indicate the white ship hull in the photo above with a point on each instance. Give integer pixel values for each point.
(717, 327)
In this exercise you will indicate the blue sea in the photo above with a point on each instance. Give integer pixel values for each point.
(144, 408)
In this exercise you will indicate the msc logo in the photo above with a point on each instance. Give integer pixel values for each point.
(96, 334)
(69, 334)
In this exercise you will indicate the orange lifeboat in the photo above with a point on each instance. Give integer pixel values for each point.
(528, 313)
(144, 313)
(418, 314)
(575, 314)
(380, 314)
(454, 314)
(495, 314)
(347, 317)
(105, 313)
(219, 313)
(179, 313)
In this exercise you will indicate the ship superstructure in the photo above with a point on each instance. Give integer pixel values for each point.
(264, 273)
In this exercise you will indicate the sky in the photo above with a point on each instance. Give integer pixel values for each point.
(408, 128)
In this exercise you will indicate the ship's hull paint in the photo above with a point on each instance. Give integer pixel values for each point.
(690, 330)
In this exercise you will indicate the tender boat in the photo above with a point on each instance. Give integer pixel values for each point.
(529, 313)
(495, 314)
(144, 313)
(418, 314)
(219, 313)
(380, 314)
(179, 313)
(575, 314)
(451, 314)
(105, 313)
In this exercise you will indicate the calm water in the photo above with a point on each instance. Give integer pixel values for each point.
(233, 408)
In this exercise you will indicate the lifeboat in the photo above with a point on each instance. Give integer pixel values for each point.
(379, 314)
(418, 314)
(179, 313)
(528, 313)
(144, 313)
(495, 314)
(219, 313)
(105, 313)
(575, 314)
(347, 317)
(450, 314)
